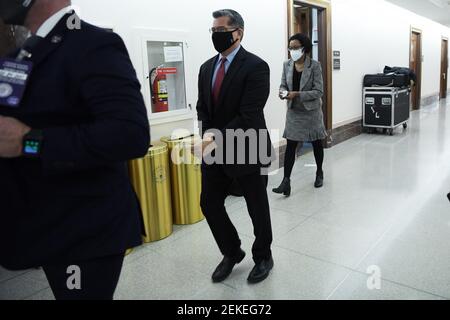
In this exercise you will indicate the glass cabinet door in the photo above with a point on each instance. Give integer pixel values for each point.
(166, 76)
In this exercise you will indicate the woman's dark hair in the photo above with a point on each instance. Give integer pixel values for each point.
(304, 40)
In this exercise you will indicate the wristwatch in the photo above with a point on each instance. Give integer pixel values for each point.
(32, 144)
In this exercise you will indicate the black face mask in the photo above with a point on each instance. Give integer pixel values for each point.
(15, 11)
(222, 40)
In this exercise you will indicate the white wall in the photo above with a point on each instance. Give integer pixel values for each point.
(265, 36)
(369, 34)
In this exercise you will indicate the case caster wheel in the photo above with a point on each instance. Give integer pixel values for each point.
(385, 131)
(405, 126)
(391, 132)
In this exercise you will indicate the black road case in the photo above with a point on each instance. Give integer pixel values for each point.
(387, 80)
(386, 108)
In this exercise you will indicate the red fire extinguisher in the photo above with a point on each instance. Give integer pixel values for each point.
(158, 86)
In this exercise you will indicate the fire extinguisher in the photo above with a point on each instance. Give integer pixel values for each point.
(158, 86)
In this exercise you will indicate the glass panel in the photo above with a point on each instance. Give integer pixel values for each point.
(315, 34)
(166, 76)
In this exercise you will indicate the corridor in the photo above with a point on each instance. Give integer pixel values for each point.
(383, 211)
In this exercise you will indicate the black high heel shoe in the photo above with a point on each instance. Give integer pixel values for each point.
(319, 180)
(284, 188)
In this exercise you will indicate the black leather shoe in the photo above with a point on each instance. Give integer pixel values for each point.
(319, 181)
(225, 268)
(284, 188)
(261, 271)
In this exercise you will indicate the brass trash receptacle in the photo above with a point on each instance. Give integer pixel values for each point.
(151, 180)
(186, 180)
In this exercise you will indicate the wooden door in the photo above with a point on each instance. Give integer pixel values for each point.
(416, 65)
(303, 20)
(444, 69)
(326, 69)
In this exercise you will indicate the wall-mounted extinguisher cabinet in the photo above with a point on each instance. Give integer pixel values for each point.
(166, 76)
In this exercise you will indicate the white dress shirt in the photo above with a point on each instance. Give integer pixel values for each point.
(51, 22)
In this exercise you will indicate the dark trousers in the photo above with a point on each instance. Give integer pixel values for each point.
(215, 187)
(98, 278)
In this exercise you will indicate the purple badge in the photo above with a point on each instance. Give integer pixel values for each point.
(13, 80)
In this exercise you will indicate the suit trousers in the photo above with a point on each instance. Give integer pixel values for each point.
(97, 280)
(215, 189)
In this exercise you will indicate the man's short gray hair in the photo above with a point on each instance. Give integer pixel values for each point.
(235, 18)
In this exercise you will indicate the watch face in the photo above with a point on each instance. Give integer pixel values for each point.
(32, 147)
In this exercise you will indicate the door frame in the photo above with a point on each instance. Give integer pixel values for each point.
(418, 31)
(326, 55)
(443, 95)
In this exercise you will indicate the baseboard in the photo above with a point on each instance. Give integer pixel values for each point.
(281, 151)
(425, 101)
(346, 132)
(343, 123)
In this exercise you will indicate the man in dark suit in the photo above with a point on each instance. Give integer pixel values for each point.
(68, 204)
(233, 90)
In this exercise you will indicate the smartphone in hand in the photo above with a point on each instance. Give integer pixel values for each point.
(284, 94)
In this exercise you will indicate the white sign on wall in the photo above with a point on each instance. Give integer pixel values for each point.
(173, 54)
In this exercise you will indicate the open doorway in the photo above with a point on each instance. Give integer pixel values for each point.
(313, 17)
(415, 63)
(444, 69)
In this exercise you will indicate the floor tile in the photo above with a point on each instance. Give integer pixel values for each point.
(294, 277)
(356, 287)
(342, 246)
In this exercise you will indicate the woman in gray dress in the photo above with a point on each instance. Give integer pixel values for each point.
(302, 87)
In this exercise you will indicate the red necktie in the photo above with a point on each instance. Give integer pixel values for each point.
(219, 80)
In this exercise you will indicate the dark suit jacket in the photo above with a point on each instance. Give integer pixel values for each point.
(243, 96)
(76, 202)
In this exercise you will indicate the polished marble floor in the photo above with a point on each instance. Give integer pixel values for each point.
(379, 229)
